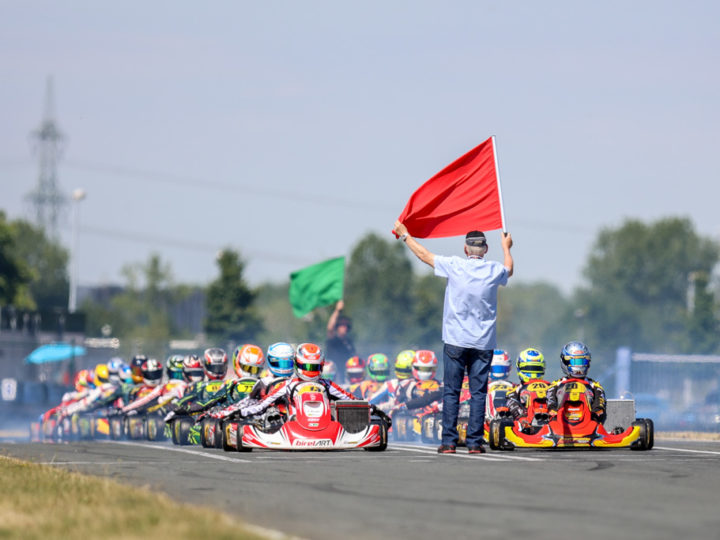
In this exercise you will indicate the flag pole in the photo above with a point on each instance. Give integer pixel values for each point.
(497, 175)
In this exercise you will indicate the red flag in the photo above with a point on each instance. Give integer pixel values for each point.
(464, 196)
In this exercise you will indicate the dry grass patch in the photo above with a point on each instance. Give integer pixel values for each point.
(43, 502)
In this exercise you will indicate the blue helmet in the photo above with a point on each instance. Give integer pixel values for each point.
(115, 368)
(281, 359)
(575, 359)
(500, 365)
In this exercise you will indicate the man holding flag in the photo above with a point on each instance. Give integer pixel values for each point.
(464, 195)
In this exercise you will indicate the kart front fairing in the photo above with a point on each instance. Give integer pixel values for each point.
(314, 424)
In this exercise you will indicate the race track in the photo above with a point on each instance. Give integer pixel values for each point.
(411, 492)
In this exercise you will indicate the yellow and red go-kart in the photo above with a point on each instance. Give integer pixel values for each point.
(572, 427)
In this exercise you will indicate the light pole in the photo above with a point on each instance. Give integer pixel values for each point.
(77, 196)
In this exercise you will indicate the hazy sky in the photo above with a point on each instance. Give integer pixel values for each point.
(289, 130)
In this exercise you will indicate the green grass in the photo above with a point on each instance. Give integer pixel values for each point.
(45, 502)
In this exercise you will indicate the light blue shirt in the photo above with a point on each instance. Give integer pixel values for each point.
(470, 307)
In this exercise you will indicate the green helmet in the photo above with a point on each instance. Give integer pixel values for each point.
(378, 367)
(174, 367)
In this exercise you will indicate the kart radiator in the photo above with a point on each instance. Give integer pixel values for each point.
(353, 415)
(620, 414)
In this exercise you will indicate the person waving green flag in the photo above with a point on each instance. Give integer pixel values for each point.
(318, 285)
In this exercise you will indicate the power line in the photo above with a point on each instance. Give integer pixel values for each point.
(178, 180)
(164, 241)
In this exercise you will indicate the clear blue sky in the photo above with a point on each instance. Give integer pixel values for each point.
(289, 130)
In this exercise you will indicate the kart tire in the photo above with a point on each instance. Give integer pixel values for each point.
(494, 435)
(181, 431)
(650, 426)
(240, 446)
(116, 428)
(504, 445)
(205, 425)
(383, 437)
(154, 428)
(219, 434)
(643, 439)
(427, 433)
(223, 439)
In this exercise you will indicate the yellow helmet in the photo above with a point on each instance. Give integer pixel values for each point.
(102, 374)
(403, 364)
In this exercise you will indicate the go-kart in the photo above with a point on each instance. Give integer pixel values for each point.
(572, 427)
(313, 423)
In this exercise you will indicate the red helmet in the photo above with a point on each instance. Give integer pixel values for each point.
(355, 369)
(193, 369)
(309, 361)
(152, 372)
(248, 360)
(215, 363)
(424, 365)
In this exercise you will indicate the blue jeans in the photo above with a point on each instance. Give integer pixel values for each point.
(456, 361)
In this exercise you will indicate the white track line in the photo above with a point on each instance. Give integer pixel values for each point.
(428, 451)
(184, 450)
(687, 450)
(490, 457)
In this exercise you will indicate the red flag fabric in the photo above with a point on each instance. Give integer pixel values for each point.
(464, 196)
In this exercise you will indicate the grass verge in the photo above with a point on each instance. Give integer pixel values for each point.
(40, 501)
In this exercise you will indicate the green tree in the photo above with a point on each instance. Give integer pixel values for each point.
(231, 312)
(49, 263)
(638, 289)
(15, 274)
(535, 315)
(424, 330)
(379, 292)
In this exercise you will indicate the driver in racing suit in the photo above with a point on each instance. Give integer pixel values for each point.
(309, 360)
(575, 362)
(530, 367)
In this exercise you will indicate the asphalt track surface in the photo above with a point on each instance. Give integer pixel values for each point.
(672, 491)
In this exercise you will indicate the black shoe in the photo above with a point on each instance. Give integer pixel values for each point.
(446, 449)
(476, 449)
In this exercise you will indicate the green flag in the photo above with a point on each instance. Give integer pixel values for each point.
(318, 285)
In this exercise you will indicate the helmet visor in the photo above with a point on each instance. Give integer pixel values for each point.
(309, 367)
(425, 369)
(195, 374)
(216, 369)
(499, 370)
(280, 364)
(252, 370)
(154, 375)
(534, 369)
(578, 361)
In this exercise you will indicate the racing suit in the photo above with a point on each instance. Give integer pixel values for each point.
(385, 396)
(594, 393)
(285, 390)
(159, 395)
(519, 398)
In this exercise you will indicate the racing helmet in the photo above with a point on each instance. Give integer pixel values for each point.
(135, 364)
(152, 372)
(530, 365)
(575, 359)
(378, 367)
(215, 363)
(248, 360)
(102, 374)
(355, 369)
(500, 365)
(124, 374)
(424, 365)
(329, 370)
(174, 367)
(403, 364)
(115, 367)
(309, 360)
(193, 369)
(281, 359)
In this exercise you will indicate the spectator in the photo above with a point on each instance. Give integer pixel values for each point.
(468, 329)
(339, 346)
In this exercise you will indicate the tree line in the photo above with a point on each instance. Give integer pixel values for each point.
(648, 286)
